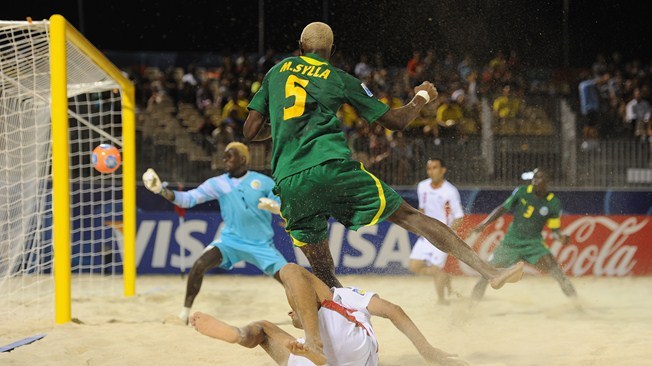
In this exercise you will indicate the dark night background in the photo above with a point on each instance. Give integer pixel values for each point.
(535, 29)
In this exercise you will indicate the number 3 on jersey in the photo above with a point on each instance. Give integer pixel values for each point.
(528, 213)
(299, 94)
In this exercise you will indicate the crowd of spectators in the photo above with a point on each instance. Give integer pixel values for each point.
(614, 100)
(214, 99)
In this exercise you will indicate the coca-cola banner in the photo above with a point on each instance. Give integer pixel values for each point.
(599, 245)
(610, 235)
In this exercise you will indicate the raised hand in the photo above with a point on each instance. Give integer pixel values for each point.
(429, 88)
(269, 204)
(152, 181)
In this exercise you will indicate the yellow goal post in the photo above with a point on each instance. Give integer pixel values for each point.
(62, 32)
(63, 224)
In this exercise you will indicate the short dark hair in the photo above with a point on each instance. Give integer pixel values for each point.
(440, 160)
(544, 171)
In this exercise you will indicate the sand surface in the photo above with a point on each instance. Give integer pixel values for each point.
(525, 324)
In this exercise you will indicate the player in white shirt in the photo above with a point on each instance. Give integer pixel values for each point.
(439, 199)
(340, 315)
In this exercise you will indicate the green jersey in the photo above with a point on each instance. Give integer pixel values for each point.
(301, 96)
(531, 214)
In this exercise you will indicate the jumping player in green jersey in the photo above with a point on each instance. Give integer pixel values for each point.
(533, 207)
(311, 162)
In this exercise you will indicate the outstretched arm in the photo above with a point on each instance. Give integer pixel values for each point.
(557, 235)
(383, 308)
(155, 185)
(168, 194)
(554, 223)
(399, 118)
(493, 216)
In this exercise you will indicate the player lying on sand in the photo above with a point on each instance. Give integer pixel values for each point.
(342, 317)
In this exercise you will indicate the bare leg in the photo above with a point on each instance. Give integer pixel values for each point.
(209, 259)
(479, 290)
(449, 285)
(274, 340)
(277, 277)
(441, 278)
(321, 262)
(305, 292)
(446, 240)
(304, 350)
(215, 328)
(549, 265)
(442, 282)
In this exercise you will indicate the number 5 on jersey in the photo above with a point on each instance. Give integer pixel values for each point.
(295, 87)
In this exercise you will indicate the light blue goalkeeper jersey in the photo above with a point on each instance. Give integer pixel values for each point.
(243, 219)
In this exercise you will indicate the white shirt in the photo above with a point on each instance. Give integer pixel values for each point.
(637, 110)
(441, 203)
(347, 335)
(362, 70)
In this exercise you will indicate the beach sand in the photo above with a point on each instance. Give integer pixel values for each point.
(524, 324)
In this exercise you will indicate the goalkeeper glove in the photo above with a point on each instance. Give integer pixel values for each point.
(152, 181)
(269, 204)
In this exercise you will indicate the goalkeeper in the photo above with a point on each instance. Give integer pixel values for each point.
(246, 203)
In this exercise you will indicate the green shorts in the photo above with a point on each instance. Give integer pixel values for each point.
(341, 189)
(506, 254)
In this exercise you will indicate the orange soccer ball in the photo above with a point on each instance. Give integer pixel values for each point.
(106, 158)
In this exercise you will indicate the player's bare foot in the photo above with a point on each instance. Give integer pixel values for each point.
(512, 274)
(215, 328)
(313, 353)
(577, 304)
(443, 302)
(452, 292)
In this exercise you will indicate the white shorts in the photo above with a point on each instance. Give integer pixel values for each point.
(424, 251)
(347, 344)
(295, 360)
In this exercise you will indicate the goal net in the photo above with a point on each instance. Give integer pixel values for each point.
(63, 224)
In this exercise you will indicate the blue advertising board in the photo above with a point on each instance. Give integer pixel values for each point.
(169, 244)
(166, 243)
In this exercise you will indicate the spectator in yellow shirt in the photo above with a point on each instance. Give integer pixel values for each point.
(389, 99)
(506, 106)
(449, 115)
(506, 109)
(349, 117)
(239, 106)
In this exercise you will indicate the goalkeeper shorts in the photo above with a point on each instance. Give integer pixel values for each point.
(342, 189)
(263, 255)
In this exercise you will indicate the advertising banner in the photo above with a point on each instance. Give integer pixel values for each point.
(612, 246)
(599, 246)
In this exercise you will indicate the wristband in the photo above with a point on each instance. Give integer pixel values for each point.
(164, 185)
(424, 94)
